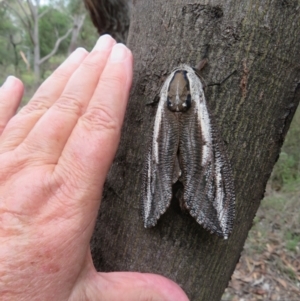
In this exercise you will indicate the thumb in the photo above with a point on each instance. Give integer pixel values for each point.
(129, 286)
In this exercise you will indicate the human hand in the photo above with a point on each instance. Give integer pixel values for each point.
(54, 157)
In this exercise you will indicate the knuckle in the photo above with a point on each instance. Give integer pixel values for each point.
(67, 183)
(61, 74)
(35, 105)
(69, 103)
(92, 62)
(99, 118)
(112, 82)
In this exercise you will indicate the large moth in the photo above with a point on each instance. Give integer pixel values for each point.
(186, 147)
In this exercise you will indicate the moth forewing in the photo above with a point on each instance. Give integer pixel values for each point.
(158, 176)
(183, 125)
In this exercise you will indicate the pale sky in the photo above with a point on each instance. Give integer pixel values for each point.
(43, 2)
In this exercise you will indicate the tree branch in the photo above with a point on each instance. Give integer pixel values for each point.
(44, 13)
(16, 12)
(22, 8)
(48, 56)
(31, 8)
(78, 22)
(81, 20)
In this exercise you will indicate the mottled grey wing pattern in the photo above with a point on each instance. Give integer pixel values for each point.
(186, 146)
(206, 171)
(158, 174)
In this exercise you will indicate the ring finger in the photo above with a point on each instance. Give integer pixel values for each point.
(18, 127)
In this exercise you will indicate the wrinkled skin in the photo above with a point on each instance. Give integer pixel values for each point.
(54, 156)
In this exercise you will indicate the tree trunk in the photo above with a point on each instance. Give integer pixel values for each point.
(36, 43)
(78, 21)
(16, 54)
(110, 16)
(253, 109)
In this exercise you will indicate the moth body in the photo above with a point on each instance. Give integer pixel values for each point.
(186, 146)
(179, 95)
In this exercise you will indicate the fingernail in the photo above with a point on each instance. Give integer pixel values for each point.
(78, 55)
(104, 42)
(9, 82)
(118, 54)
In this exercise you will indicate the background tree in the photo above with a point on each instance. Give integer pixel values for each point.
(10, 37)
(253, 109)
(29, 14)
(56, 19)
(78, 13)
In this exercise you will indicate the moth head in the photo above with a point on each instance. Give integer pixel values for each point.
(179, 95)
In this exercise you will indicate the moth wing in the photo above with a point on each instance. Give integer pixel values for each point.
(159, 174)
(206, 171)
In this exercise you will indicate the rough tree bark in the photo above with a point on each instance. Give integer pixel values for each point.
(253, 108)
(110, 16)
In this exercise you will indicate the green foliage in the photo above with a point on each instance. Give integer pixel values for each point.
(15, 39)
(76, 6)
(276, 202)
(292, 241)
(286, 166)
(53, 25)
(6, 24)
(292, 244)
(52, 64)
(6, 53)
(28, 79)
(286, 173)
(10, 37)
(88, 35)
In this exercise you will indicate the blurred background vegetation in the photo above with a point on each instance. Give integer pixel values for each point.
(37, 35)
